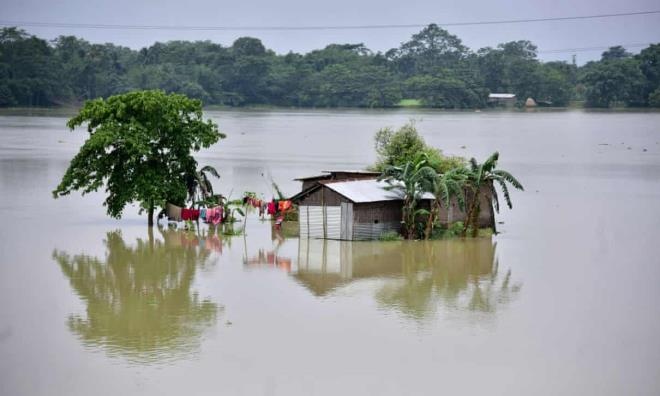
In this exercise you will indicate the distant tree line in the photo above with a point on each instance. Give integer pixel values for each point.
(433, 67)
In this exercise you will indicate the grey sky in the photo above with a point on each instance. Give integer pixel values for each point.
(546, 35)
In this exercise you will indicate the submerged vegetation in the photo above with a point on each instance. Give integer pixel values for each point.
(432, 69)
(413, 169)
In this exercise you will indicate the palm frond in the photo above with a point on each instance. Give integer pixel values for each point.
(495, 198)
(478, 177)
(491, 162)
(509, 178)
(210, 170)
(209, 186)
(442, 193)
(460, 198)
(422, 212)
(505, 191)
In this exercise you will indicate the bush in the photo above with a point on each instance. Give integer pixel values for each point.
(398, 147)
(390, 236)
(454, 230)
(654, 98)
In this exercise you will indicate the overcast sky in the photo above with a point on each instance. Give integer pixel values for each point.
(547, 36)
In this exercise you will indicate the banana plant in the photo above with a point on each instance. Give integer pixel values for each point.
(410, 181)
(487, 174)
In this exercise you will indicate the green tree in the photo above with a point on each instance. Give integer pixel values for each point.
(428, 50)
(654, 98)
(557, 83)
(361, 86)
(433, 66)
(446, 187)
(613, 81)
(410, 181)
(28, 73)
(649, 64)
(444, 92)
(481, 179)
(396, 148)
(616, 52)
(140, 148)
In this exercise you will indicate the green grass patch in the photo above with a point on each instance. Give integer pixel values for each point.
(390, 236)
(410, 103)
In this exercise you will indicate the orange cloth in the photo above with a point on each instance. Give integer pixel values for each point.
(284, 206)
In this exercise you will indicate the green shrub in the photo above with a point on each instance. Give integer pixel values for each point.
(396, 148)
(654, 98)
(452, 231)
(390, 236)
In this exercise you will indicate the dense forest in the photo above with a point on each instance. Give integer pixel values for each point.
(433, 68)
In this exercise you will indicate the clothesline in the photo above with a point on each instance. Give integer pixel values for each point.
(218, 214)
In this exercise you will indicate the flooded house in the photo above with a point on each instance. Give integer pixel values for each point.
(361, 208)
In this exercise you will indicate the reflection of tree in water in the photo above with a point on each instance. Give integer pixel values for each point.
(138, 299)
(461, 275)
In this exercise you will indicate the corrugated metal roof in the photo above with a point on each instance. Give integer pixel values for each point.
(312, 177)
(328, 174)
(361, 191)
(357, 172)
(501, 96)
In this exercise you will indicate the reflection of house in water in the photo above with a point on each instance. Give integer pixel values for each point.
(139, 299)
(413, 277)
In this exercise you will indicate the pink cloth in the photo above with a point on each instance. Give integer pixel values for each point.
(214, 215)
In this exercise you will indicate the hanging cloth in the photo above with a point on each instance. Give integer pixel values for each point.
(284, 206)
(214, 215)
(173, 212)
(271, 208)
(189, 214)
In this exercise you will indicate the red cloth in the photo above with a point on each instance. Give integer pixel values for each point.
(189, 214)
(271, 208)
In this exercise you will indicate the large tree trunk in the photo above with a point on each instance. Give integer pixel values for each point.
(151, 214)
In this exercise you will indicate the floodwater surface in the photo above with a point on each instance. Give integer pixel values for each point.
(563, 301)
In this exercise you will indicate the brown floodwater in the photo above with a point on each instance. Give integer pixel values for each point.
(563, 301)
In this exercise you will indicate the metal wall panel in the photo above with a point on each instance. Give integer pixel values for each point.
(315, 221)
(369, 231)
(337, 220)
(333, 222)
(346, 221)
(303, 227)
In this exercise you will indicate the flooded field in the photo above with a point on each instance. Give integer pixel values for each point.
(563, 301)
